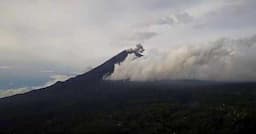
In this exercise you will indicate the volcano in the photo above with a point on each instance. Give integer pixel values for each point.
(89, 104)
(107, 68)
(92, 77)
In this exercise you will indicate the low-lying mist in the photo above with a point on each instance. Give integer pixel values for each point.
(221, 60)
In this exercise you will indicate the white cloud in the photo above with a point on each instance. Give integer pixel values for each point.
(4, 67)
(224, 59)
(56, 78)
(10, 92)
(68, 32)
(53, 80)
(47, 71)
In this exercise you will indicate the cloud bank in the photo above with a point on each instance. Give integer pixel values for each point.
(10, 92)
(221, 60)
(53, 80)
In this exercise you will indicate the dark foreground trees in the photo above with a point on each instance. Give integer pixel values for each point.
(133, 108)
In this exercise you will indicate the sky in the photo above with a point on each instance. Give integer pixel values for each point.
(43, 41)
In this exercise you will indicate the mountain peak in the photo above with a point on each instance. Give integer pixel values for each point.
(107, 68)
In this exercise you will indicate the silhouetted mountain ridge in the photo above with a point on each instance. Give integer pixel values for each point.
(89, 104)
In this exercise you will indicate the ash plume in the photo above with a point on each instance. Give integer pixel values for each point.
(137, 51)
(222, 60)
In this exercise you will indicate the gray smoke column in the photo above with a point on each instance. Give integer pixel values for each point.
(137, 51)
(224, 59)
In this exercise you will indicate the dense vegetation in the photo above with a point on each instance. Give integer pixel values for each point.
(166, 107)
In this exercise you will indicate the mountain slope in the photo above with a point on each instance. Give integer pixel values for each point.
(71, 88)
(89, 104)
(104, 69)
